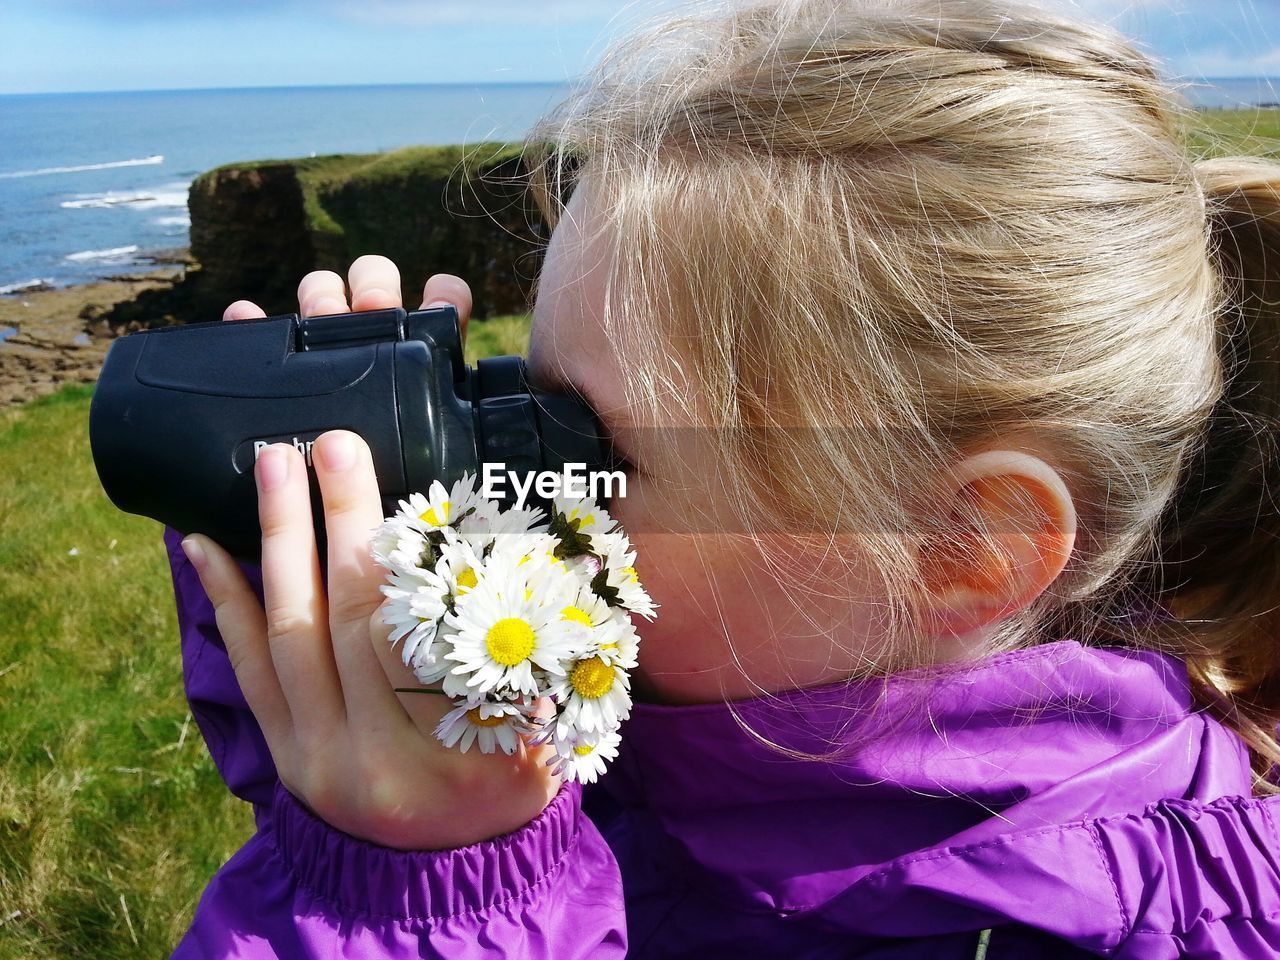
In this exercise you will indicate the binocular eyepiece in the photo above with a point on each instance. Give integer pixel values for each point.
(180, 413)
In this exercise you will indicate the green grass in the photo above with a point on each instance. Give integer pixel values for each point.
(1250, 132)
(497, 336)
(112, 816)
(110, 809)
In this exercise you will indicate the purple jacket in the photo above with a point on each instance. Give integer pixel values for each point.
(1071, 800)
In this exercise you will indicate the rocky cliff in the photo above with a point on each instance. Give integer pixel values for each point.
(257, 228)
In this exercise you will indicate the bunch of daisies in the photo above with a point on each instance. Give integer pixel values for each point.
(521, 618)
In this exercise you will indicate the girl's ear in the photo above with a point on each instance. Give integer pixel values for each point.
(1013, 529)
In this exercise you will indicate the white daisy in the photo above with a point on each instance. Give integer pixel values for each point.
(617, 642)
(530, 554)
(400, 543)
(440, 668)
(459, 566)
(586, 566)
(577, 524)
(585, 515)
(586, 607)
(414, 609)
(468, 505)
(488, 528)
(593, 694)
(430, 511)
(622, 586)
(583, 757)
(608, 631)
(396, 539)
(518, 549)
(428, 663)
(506, 628)
(490, 725)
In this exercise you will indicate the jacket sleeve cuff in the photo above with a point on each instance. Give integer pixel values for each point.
(360, 878)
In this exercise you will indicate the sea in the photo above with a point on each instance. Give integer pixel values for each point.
(92, 185)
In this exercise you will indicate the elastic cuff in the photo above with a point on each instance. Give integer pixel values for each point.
(360, 877)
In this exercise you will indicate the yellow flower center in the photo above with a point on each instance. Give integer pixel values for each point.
(466, 580)
(630, 574)
(430, 515)
(583, 750)
(577, 615)
(555, 561)
(591, 679)
(510, 641)
(474, 716)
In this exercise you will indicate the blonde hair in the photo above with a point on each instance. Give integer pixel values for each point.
(971, 222)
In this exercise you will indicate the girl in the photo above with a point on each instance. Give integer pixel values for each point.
(950, 387)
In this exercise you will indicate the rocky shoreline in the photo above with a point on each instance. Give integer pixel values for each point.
(257, 228)
(50, 337)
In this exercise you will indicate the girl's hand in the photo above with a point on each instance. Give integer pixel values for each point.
(318, 671)
(375, 285)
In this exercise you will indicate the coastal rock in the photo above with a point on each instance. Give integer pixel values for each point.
(249, 234)
(257, 228)
(61, 335)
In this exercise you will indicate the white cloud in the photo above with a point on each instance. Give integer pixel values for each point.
(1195, 38)
(1222, 62)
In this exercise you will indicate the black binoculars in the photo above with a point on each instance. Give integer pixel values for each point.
(180, 413)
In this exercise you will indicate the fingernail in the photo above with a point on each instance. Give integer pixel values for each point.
(338, 452)
(325, 307)
(273, 468)
(195, 553)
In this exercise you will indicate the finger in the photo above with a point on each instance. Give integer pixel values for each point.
(243, 310)
(297, 631)
(243, 627)
(374, 282)
(352, 512)
(446, 289)
(321, 293)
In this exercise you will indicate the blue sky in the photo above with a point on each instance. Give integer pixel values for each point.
(71, 45)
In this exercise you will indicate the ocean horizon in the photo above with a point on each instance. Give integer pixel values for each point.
(94, 183)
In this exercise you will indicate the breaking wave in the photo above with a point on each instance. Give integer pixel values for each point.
(139, 162)
(137, 199)
(111, 254)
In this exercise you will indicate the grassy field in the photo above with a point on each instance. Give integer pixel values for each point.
(1255, 132)
(112, 816)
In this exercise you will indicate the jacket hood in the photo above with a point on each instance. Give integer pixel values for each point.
(1075, 790)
